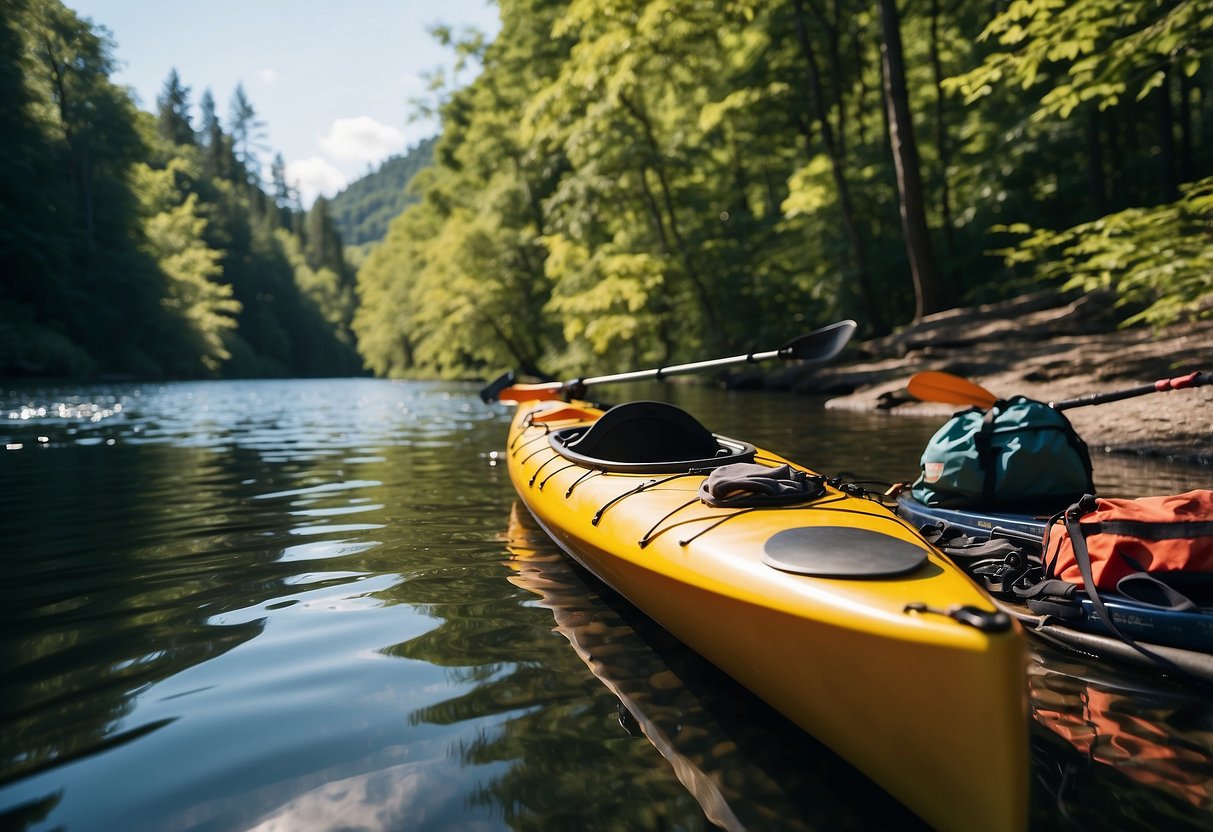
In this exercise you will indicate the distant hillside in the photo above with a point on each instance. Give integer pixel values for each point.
(363, 211)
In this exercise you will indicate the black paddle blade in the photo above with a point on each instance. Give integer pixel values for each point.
(489, 393)
(820, 344)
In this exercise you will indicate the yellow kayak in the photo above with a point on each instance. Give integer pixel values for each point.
(820, 601)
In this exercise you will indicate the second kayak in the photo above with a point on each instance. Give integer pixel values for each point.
(1172, 640)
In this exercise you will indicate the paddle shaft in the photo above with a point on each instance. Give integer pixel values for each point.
(815, 347)
(576, 387)
(1178, 383)
(944, 387)
(682, 369)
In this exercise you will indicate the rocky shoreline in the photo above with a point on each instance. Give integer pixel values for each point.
(1045, 347)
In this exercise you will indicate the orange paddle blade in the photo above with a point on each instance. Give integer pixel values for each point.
(932, 386)
(532, 392)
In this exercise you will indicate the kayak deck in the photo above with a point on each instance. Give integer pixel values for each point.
(897, 661)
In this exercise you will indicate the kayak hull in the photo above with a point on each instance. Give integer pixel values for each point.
(930, 708)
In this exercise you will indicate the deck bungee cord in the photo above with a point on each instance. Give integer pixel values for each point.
(542, 422)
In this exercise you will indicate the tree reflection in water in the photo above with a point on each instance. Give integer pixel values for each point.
(89, 623)
(744, 764)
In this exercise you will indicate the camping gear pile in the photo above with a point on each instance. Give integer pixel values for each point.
(1130, 579)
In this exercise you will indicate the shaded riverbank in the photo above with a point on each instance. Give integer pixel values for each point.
(1044, 348)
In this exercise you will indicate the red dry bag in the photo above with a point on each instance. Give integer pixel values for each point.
(1119, 538)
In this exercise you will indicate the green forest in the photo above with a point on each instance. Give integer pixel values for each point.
(624, 183)
(136, 244)
(364, 210)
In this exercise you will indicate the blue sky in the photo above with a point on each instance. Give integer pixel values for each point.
(331, 80)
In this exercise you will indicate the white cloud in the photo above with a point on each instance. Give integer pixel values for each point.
(315, 176)
(268, 76)
(362, 140)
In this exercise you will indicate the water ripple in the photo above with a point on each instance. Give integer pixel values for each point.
(226, 603)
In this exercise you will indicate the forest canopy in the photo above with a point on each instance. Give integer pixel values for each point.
(625, 183)
(630, 182)
(141, 244)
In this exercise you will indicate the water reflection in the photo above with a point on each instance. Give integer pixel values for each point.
(118, 596)
(283, 605)
(1114, 742)
(745, 764)
(146, 573)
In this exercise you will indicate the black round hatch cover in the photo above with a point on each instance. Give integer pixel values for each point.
(841, 552)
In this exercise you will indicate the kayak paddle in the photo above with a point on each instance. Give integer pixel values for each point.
(931, 386)
(1160, 386)
(816, 347)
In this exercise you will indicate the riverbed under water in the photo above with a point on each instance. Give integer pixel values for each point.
(314, 605)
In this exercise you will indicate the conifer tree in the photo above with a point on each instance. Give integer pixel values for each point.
(248, 134)
(173, 110)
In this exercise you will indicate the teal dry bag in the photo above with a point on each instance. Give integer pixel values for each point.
(1019, 454)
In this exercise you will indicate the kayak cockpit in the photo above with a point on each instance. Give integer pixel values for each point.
(646, 437)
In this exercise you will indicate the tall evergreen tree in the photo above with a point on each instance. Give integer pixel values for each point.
(216, 145)
(173, 111)
(248, 134)
(322, 241)
(280, 189)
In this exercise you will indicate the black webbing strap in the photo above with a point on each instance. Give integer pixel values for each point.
(1079, 541)
(1145, 530)
(986, 458)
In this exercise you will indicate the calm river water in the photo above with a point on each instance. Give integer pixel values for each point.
(311, 605)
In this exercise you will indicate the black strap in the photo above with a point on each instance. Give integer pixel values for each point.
(1048, 588)
(1059, 609)
(966, 549)
(1079, 541)
(1146, 530)
(1149, 591)
(986, 457)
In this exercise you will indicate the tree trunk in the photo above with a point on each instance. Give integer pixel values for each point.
(667, 198)
(941, 145)
(1166, 140)
(1116, 161)
(858, 52)
(1097, 180)
(1186, 166)
(929, 292)
(838, 166)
